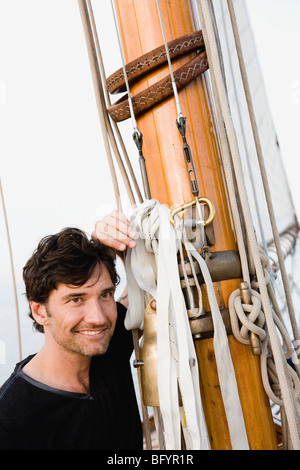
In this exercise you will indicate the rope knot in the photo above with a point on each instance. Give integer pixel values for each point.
(247, 319)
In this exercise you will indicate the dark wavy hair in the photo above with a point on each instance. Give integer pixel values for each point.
(68, 257)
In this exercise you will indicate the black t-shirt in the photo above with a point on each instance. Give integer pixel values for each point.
(34, 416)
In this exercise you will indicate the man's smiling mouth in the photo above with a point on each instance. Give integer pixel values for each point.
(91, 332)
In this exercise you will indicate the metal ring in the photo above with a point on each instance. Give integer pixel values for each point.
(204, 200)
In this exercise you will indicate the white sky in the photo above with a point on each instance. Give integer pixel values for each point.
(52, 164)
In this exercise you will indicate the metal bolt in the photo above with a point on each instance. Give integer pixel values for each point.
(137, 363)
(192, 362)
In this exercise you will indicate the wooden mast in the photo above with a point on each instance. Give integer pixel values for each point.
(162, 148)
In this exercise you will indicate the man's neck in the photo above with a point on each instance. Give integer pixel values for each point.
(61, 370)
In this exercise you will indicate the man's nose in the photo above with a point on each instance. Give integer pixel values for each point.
(95, 314)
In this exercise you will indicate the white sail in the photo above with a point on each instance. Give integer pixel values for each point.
(282, 202)
(281, 198)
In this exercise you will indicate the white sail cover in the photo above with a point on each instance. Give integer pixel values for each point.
(279, 188)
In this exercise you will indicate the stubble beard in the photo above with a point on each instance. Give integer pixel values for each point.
(75, 344)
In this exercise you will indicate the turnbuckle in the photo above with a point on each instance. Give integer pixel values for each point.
(181, 125)
(138, 139)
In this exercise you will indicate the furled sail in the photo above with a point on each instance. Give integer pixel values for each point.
(281, 197)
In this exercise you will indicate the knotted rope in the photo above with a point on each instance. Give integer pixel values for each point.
(250, 316)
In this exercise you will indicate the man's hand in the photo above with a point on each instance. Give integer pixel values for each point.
(114, 231)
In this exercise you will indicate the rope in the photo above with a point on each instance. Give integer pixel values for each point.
(98, 92)
(244, 136)
(247, 315)
(193, 66)
(137, 136)
(263, 169)
(223, 113)
(86, 13)
(227, 158)
(12, 272)
(134, 124)
(95, 59)
(178, 107)
(114, 125)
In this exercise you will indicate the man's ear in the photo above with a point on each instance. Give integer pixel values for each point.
(39, 313)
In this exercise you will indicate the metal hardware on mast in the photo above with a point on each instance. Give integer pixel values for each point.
(181, 125)
(138, 139)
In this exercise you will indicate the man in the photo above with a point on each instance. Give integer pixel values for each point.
(77, 392)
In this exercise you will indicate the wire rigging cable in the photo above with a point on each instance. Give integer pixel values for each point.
(181, 125)
(107, 132)
(12, 271)
(113, 124)
(262, 168)
(86, 15)
(137, 136)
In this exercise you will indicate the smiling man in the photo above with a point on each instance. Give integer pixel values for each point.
(77, 392)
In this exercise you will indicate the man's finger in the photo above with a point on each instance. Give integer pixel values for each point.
(114, 232)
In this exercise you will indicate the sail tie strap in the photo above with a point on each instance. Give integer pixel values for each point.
(148, 271)
(159, 91)
(228, 384)
(141, 66)
(156, 272)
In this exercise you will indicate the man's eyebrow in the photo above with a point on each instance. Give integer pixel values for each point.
(108, 289)
(73, 295)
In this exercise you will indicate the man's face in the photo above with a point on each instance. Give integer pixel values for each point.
(82, 319)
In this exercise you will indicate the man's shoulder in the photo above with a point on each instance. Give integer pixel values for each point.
(121, 309)
(11, 389)
(4, 389)
(11, 403)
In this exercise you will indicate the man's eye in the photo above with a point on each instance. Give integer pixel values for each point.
(107, 295)
(76, 300)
